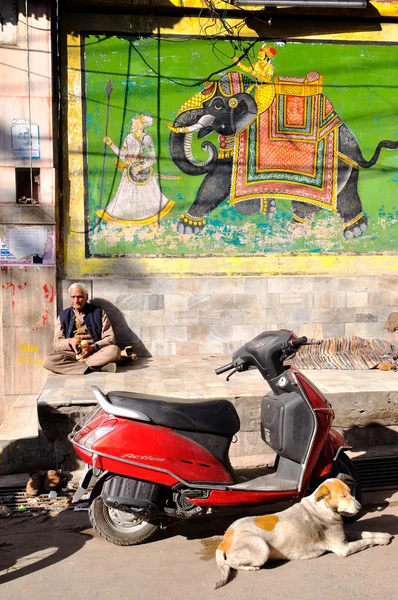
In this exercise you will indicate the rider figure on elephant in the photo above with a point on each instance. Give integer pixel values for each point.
(263, 72)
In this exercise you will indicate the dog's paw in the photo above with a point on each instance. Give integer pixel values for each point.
(382, 539)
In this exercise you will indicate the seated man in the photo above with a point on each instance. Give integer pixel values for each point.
(83, 339)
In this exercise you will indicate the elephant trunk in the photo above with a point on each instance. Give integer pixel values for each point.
(207, 146)
(181, 146)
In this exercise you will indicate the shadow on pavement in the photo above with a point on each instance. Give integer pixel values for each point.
(384, 523)
(31, 544)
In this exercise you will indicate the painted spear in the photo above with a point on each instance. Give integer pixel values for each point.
(109, 89)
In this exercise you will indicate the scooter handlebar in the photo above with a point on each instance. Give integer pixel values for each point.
(303, 341)
(296, 343)
(224, 368)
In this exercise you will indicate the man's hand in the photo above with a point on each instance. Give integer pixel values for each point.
(75, 344)
(88, 351)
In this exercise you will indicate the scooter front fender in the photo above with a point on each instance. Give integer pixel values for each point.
(88, 480)
(333, 445)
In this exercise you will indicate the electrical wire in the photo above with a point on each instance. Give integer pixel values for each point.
(225, 33)
(29, 101)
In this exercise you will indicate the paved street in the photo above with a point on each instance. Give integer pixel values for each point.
(61, 557)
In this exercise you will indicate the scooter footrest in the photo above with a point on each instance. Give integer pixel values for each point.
(267, 483)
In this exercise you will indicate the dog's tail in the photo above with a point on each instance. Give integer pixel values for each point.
(221, 559)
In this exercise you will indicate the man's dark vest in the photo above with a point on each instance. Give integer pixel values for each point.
(92, 318)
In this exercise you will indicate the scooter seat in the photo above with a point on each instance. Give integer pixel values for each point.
(211, 416)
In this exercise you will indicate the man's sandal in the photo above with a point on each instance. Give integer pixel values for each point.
(34, 487)
(53, 480)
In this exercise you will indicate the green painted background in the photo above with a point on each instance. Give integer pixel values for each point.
(157, 76)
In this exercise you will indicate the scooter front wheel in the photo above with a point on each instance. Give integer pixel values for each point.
(344, 469)
(119, 527)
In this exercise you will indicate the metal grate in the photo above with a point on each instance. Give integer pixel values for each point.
(14, 497)
(377, 473)
(374, 474)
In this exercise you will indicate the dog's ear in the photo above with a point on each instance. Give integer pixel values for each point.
(322, 492)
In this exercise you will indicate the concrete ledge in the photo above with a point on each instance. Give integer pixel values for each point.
(27, 214)
(22, 420)
(365, 402)
(359, 397)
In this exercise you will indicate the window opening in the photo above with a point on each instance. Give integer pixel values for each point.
(27, 185)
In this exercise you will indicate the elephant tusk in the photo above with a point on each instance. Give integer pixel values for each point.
(190, 129)
(177, 129)
(173, 129)
(205, 121)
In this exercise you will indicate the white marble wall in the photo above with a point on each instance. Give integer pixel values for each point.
(169, 316)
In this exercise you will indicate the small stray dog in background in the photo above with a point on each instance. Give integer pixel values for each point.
(306, 530)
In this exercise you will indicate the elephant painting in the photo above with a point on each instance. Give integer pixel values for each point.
(291, 145)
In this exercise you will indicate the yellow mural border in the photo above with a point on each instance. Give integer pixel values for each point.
(77, 265)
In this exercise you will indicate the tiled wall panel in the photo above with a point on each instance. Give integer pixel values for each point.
(167, 316)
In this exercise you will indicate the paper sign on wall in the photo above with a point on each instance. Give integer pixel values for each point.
(27, 245)
(24, 139)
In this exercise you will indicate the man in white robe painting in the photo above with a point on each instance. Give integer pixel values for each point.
(138, 199)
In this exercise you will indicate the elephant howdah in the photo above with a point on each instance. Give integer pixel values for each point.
(290, 151)
(293, 147)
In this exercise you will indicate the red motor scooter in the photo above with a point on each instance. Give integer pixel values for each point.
(151, 460)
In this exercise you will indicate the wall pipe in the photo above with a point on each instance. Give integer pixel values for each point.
(304, 3)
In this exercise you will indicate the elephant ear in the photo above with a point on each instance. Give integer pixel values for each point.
(245, 112)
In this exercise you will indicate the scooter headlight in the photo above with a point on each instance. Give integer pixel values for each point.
(95, 435)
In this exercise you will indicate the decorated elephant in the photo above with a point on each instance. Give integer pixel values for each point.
(290, 145)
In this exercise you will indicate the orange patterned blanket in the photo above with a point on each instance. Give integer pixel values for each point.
(349, 352)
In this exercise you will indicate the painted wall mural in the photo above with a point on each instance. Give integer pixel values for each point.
(290, 149)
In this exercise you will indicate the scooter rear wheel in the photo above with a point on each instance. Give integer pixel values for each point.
(119, 527)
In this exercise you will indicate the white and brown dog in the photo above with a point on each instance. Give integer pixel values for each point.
(306, 530)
